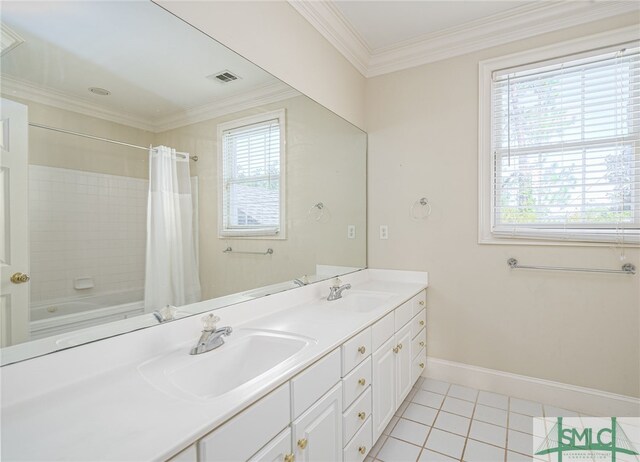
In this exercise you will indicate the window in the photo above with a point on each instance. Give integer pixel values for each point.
(251, 181)
(564, 152)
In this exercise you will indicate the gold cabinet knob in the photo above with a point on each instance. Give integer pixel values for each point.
(395, 349)
(362, 382)
(400, 346)
(422, 365)
(302, 443)
(19, 278)
(421, 302)
(289, 458)
(422, 343)
(362, 415)
(361, 350)
(362, 450)
(422, 323)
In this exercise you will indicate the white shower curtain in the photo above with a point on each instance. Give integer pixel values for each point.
(171, 273)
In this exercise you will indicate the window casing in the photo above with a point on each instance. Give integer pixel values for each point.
(560, 144)
(251, 179)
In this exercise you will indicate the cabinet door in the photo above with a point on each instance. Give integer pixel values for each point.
(383, 384)
(276, 450)
(403, 364)
(317, 434)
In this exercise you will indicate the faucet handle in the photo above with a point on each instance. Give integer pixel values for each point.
(337, 282)
(210, 321)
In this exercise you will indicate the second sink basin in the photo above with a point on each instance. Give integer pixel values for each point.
(246, 355)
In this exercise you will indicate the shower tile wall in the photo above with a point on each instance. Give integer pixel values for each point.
(84, 224)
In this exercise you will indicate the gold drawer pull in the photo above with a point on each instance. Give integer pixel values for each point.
(361, 350)
(422, 323)
(422, 365)
(395, 350)
(362, 450)
(289, 458)
(302, 443)
(421, 302)
(362, 382)
(422, 343)
(362, 415)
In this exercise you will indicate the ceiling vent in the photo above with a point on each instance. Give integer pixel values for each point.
(225, 76)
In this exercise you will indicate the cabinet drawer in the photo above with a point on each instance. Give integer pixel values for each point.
(418, 343)
(418, 323)
(356, 415)
(419, 302)
(360, 445)
(403, 315)
(354, 351)
(276, 449)
(419, 363)
(382, 331)
(356, 382)
(254, 427)
(313, 382)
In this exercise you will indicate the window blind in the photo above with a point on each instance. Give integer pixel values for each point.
(565, 143)
(251, 179)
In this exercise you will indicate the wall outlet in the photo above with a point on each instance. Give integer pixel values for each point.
(384, 232)
(351, 231)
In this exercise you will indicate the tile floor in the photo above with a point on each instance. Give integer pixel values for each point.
(445, 422)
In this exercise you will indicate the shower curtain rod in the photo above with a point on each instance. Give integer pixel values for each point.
(84, 135)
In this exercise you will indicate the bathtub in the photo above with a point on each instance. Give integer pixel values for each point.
(65, 315)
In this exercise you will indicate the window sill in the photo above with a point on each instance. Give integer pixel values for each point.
(517, 241)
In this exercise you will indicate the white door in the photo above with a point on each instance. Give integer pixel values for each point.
(14, 257)
(317, 434)
(403, 364)
(383, 384)
(276, 450)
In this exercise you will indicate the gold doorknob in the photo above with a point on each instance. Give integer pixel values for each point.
(362, 350)
(421, 302)
(362, 415)
(422, 323)
(421, 344)
(362, 449)
(289, 458)
(302, 443)
(362, 382)
(422, 365)
(19, 278)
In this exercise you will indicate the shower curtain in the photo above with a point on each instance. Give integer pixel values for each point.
(171, 272)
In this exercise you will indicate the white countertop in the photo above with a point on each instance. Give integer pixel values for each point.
(91, 403)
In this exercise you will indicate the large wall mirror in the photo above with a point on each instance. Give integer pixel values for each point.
(149, 173)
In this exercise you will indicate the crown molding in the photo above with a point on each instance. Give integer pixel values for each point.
(325, 17)
(258, 96)
(515, 24)
(10, 86)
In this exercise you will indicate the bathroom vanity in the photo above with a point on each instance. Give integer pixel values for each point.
(300, 378)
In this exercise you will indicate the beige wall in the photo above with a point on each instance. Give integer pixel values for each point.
(581, 329)
(326, 162)
(66, 151)
(274, 36)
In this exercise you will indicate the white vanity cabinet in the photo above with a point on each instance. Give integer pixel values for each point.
(277, 450)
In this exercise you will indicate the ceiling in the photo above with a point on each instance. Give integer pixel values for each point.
(154, 64)
(383, 36)
(385, 23)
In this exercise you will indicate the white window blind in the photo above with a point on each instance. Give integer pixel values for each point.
(252, 178)
(565, 143)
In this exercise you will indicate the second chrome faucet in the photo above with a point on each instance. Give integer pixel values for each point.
(211, 338)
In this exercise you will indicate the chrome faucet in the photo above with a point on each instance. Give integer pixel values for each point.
(211, 338)
(165, 314)
(299, 283)
(335, 291)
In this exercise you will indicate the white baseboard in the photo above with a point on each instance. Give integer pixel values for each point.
(584, 400)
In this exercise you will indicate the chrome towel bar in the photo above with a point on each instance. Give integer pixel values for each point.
(627, 268)
(269, 251)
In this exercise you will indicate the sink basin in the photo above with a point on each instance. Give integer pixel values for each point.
(360, 301)
(246, 355)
